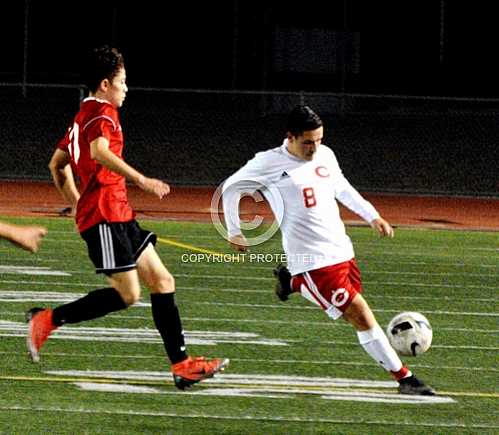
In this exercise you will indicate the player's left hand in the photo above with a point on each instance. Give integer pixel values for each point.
(382, 227)
(154, 186)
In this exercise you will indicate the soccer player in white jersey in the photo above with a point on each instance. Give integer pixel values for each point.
(320, 256)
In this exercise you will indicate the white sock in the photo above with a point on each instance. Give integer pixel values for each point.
(376, 344)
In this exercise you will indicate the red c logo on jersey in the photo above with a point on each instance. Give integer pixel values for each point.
(322, 171)
(340, 297)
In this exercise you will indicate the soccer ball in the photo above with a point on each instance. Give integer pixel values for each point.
(410, 333)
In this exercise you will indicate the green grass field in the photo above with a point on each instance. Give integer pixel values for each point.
(289, 362)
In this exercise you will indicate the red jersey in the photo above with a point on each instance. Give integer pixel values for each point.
(104, 195)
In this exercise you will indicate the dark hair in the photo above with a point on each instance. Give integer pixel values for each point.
(103, 63)
(302, 118)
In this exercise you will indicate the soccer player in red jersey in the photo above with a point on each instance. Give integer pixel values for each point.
(117, 245)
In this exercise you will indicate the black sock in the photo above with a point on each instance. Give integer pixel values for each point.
(95, 304)
(167, 320)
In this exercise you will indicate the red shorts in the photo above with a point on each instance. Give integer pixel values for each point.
(332, 287)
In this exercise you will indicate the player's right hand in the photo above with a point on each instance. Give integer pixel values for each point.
(29, 237)
(239, 243)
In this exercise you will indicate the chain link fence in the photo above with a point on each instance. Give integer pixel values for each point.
(197, 137)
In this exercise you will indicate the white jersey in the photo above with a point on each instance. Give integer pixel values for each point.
(303, 194)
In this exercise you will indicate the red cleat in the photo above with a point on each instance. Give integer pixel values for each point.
(192, 370)
(40, 326)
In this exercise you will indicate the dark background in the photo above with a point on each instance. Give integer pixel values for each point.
(211, 84)
(427, 47)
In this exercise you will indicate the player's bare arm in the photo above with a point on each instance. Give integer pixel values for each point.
(62, 175)
(99, 150)
(238, 243)
(27, 237)
(382, 227)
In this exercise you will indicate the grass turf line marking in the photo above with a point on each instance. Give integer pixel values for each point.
(366, 282)
(265, 361)
(13, 295)
(302, 307)
(218, 277)
(145, 413)
(272, 393)
(37, 259)
(164, 380)
(194, 337)
(142, 335)
(325, 322)
(190, 247)
(31, 270)
(255, 382)
(366, 271)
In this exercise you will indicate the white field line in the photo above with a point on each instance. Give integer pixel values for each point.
(47, 296)
(369, 296)
(268, 268)
(65, 283)
(387, 251)
(319, 383)
(389, 264)
(31, 270)
(263, 361)
(360, 364)
(365, 282)
(420, 253)
(248, 417)
(141, 335)
(425, 263)
(326, 323)
(13, 295)
(34, 259)
(365, 254)
(390, 249)
(438, 312)
(24, 296)
(363, 261)
(362, 257)
(205, 338)
(365, 270)
(374, 244)
(74, 233)
(74, 236)
(270, 393)
(63, 240)
(435, 346)
(204, 277)
(419, 246)
(263, 385)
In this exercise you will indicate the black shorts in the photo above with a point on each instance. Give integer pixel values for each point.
(115, 246)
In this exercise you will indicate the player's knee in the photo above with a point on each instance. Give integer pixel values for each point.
(359, 314)
(164, 283)
(129, 296)
(364, 321)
